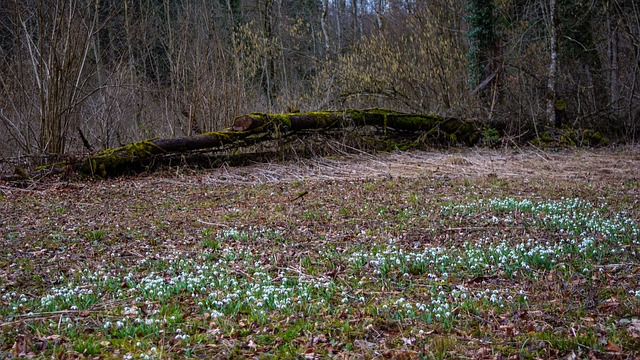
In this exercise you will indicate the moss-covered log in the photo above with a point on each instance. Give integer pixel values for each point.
(256, 127)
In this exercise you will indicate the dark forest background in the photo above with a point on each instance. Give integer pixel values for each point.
(123, 70)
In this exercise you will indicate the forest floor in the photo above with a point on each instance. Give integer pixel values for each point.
(481, 254)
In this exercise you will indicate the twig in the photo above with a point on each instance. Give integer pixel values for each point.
(10, 188)
(300, 196)
(43, 315)
(212, 224)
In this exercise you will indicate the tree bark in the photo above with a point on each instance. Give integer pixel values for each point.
(257, 127)
(324, 23)
(553, 66)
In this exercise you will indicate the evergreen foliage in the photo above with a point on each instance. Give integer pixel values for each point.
(482, 37)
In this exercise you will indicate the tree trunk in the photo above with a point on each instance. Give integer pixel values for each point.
(257, 127)
(324, 22)
(553, 66)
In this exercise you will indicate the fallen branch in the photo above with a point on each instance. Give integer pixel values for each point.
(258, 127)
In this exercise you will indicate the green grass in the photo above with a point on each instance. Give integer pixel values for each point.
(426, 268)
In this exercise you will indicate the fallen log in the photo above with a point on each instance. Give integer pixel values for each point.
(257, 127)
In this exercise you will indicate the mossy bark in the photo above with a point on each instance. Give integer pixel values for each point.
(256, 127)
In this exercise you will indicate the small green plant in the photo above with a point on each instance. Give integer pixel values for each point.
(87, 347)
(310, 215)
(96, 235)
(490, 136)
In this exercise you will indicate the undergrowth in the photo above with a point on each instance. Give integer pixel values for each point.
(420, 268)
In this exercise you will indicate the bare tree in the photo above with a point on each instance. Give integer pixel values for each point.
(58, 37)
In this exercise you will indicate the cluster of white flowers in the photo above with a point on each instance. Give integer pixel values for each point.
(67, 295)
(569, 216)
(180, 335)
(250, 233)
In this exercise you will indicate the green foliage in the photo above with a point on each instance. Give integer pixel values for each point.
(88, 347)
(96, 235)
(490, 136)
(482, 37)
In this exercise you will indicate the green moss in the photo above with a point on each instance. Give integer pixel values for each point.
(111, 161)
(222, 134)
(285, 122)
(595, 138)
(569, 137)
(325, 118)
(566, 140)
(395, 143)
(411, 122)
(546, 137)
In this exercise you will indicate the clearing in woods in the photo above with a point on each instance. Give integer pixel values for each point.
(470, 254)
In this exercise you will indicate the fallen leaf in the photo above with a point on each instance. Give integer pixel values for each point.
(364, 344)
(54, 337)
(612, 347)
(41, 345)
(482, 353)
(404, 355)
(634, 329)
(320, 339)
(609, 304)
